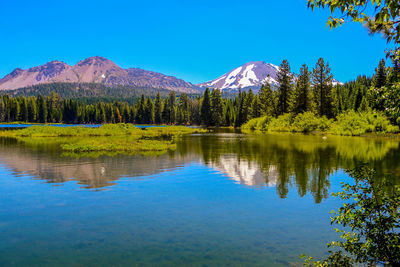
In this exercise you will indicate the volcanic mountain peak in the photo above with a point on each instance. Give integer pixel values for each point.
(250, 75)
(92, 70)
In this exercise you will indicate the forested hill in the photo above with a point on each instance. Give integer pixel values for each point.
(87, 90)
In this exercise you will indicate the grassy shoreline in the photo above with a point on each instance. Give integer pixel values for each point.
(347, 124)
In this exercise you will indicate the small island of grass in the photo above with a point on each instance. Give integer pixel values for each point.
(124, 138)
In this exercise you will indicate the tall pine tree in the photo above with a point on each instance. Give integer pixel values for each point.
(158, 109)
(205, 113)
(322, 88)
(285, 88)
(217, 108)
(267, 100)
(302, 93)
(42, 109)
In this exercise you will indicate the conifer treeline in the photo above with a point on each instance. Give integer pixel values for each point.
(310, 91)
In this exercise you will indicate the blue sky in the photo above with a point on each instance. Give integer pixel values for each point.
(193, 40)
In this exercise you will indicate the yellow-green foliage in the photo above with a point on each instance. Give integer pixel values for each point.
(118, 144)
(120, 129)
(358, 123)
(304, 122)
(350, 123)
(309, 122)
(257, 124)
(107, 138)
(281, 124)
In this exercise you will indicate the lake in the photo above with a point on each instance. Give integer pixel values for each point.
(220, 199)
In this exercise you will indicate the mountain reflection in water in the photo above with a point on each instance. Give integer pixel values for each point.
(286, 161)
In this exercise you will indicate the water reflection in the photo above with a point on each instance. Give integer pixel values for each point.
(283, 161)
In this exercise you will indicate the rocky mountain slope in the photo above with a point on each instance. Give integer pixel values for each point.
(93, 70)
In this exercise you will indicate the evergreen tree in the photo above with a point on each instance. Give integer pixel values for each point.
(7, 109)
(394, 73)
(257, 107)
(195, 111)
(216, 107)
(2, 110)
(126, 113)
(249, 105)
(285, 88)
(42, 109)
(302, 94)
(378, 89)
(149, 111)
(244, 113)
(23, 115)
(109, 113)
(267, 100)
(141, 110)
(158, 109)
(337, 100)
(100, 113)
(229, 114)
(14, 109)
(359, 96)
(379, 79)
(206, 108)
(364, 105)
(322, 87)
(165, 112)
(132, 114)
(172, 107)
(32, 109)
(183, 109)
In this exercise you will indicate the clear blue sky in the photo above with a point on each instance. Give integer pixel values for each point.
(193, 40)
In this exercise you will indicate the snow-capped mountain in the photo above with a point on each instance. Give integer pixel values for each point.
(250, 75)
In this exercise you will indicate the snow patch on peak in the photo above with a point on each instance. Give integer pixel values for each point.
(249, 77)
(231, 77)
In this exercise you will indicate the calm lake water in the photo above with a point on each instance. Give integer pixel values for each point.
(220, 199)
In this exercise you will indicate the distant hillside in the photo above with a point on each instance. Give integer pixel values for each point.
(86, 90)
(97, 70)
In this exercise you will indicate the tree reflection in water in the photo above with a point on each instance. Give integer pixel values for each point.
(286, 161)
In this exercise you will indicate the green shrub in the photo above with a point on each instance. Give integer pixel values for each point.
(358, 123)
(350, 123)
(257, 124)
(309, 122)
(281, 124)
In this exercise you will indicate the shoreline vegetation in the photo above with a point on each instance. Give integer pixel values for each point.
(350, 123)
(122, 138)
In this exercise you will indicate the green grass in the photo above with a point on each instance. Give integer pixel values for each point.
(350, 124)
(119, 138)
(120, 129)
(118, 144)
